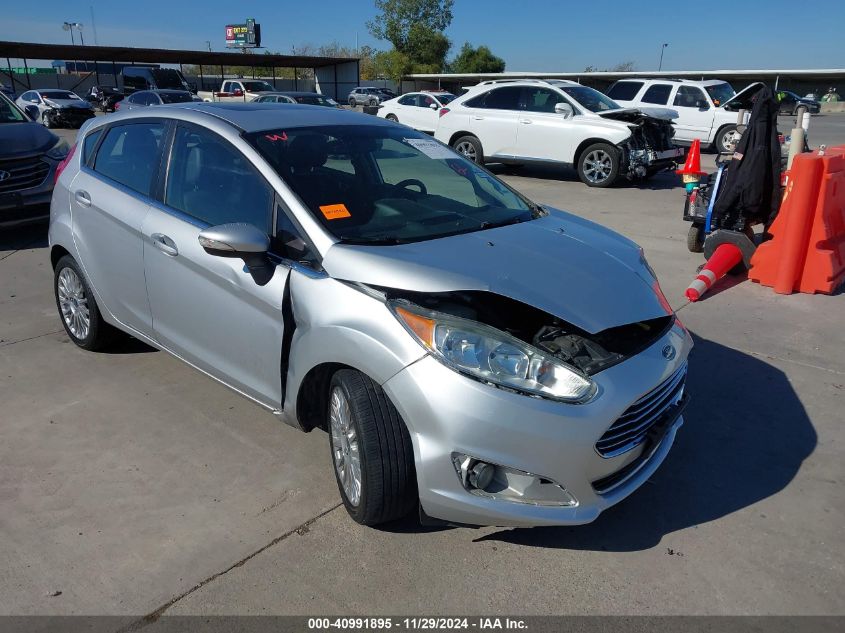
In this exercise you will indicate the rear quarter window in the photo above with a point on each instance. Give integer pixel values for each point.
(89, 144)
(624, 90)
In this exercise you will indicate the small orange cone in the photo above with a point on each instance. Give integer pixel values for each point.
(692, 167)
(725, 257)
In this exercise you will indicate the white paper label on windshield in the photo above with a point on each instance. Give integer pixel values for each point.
(431, 148)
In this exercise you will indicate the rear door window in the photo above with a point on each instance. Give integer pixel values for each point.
(624, 90)
(408, 100)
(498, 99)
(130, 154)
(657, 94)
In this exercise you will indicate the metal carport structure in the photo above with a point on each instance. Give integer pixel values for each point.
(333, 74)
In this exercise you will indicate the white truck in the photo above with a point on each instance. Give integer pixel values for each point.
(237, 90)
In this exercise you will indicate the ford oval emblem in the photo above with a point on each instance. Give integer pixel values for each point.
(668, 352)
(4, 175)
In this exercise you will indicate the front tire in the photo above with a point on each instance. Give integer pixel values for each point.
(470, 148)
(371, 450)
(78, 309)
(47, 120)
(352, 102)
(695, 239)
(727, 139)
(598, 165)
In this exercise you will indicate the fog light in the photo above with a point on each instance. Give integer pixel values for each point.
(481, 475)
(509, 484)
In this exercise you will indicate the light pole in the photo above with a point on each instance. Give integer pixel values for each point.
(662, 48)
(69, 26)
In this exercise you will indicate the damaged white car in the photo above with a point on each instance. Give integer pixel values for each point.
(559, 122)
(471, 354)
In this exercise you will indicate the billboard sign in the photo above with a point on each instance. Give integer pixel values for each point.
(247, 35)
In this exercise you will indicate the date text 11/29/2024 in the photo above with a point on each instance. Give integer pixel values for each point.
(416, 623)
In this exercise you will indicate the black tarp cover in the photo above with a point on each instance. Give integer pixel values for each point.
(750, 189)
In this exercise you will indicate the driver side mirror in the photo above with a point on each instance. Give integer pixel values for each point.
(433, 106)
(237, 239)
(565, 109)
(31, 112)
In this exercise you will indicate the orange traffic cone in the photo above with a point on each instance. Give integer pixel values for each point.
(725, 257)
(691, 172)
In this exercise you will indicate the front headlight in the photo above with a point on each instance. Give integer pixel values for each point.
(59, 150)
(493, 356)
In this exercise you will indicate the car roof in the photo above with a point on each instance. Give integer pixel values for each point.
(257, 117)
(694, 82)
(293, 93)
(165, 91)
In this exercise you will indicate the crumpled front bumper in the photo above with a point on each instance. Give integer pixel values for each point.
(449, 413)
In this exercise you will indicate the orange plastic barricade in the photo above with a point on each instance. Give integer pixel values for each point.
(807, 249)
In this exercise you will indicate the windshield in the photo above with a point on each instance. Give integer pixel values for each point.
(385, 185)
(720, 93)
(257, 86)
(591, 99)
(57, 94)
(9, 112)
(175, 97)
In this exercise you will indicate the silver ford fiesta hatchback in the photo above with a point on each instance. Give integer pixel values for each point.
(471, 354)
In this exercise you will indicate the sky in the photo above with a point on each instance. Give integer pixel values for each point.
(531, 35)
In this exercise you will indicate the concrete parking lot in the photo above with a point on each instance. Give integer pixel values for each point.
(130, 484)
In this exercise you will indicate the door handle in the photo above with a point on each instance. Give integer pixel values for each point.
(82, 198)
(526, 121)
(164, 244)
(478, 118)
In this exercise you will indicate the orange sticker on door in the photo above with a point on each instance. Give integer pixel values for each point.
(335, 211)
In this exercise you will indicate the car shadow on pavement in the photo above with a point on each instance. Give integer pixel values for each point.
(663, 180)
(744, 439)
(24, 237)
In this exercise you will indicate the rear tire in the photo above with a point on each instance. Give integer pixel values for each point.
(598, 165)
(470, 148)
(352, 102)
(371, 450)
(392, 117)
(78, 309)
(695, 239)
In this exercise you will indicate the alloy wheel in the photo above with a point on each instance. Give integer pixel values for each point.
(73, 303)
(598, 166)
(345, 449)
(467, 150)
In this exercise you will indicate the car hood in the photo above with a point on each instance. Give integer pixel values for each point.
(25, 138)
(742, 99)
(574, 269)
(631, 114)
(71, 103)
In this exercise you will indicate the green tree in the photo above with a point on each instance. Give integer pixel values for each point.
(397, 18)
(391, 64)
(476, 60)
(427, 49)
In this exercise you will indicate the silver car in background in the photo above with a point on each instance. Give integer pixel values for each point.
(470, 353)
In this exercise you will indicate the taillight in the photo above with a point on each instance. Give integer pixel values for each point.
(443, 111)
(61, 166)
(116, 106)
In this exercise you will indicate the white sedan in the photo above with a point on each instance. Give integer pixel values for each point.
(419, 110)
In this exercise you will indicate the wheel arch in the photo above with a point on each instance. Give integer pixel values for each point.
(458, 135)
(585, 144)
(313, 395)
(56, 253)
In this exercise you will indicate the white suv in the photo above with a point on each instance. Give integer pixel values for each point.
(707, 110)
(560, 122)
(419, 110)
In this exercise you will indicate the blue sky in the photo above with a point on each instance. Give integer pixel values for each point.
(536, 35)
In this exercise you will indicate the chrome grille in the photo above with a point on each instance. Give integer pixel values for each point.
(632, 427)
(23, 174)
